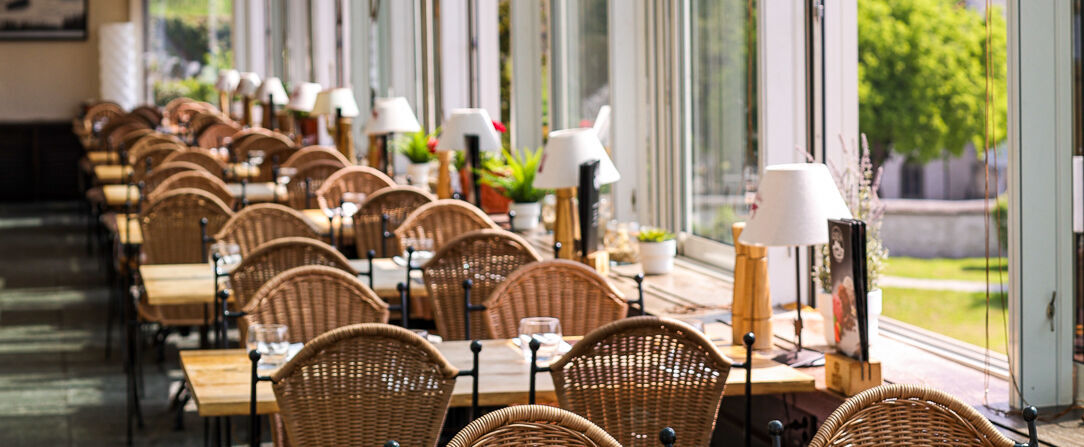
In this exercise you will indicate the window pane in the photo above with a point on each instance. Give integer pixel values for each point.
(724, 140)
(589, 65)
(188, 42)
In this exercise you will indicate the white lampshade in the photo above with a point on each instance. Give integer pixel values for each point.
(249, 84)
(392, 115)
(227, 80)
(304, 97)
(565, 151)
(273, 87)
(465, 122)
(793, 205)
(602, 125)
(341, 99)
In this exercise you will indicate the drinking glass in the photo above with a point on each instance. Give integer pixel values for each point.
(285, 174)
(270, 341)
(229, 255)
(547, 330)
(351, 203)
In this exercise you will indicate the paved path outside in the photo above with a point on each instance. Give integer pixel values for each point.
(940, 284)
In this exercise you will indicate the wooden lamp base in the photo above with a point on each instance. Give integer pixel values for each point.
(564, 226)
(344, 138)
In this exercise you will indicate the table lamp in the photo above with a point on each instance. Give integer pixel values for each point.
(470, 130)
(247, 89)
(602, 125)
(390, 115)
(559, 169)
(227, 83)
(301, 103)
(273, 95)
(339, 106)
(792, 208)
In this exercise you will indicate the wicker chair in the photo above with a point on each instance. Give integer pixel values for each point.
(312, 300)
(198, 179)
(165, 171)
(100, 114)
(486, 257)
(441, 221)
(573, 293)
(277, 256)
(912, 415)
(144, 161)
(636, 376)
(370, 226)
(153, 139)
(309, 154)
(276, 149)
(362, 383)
(214, 135)
(358, 179)
(172, 234)
(261, 223)
(244, 134)
(532, 425)
(302, 187)
(201, 157)
(148, 113)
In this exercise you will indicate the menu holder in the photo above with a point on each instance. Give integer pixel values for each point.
(589, 218)
(851, 370)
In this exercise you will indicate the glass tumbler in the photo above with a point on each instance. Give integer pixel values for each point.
(547, 330)
(270, 341)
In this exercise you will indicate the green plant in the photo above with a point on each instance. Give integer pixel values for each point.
(655, 235)
(514, 177)
(419, 146)
(165, 91)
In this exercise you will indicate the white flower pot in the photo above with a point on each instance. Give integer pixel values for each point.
(657, 258)
(876, 305)
(527, 215)
(419, 174)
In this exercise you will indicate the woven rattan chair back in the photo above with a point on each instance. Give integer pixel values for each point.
(128, 137)
(277, 256)
(532, 425)
(214, 134)
(263, 222)
(441, 221)
(276, 149)
(148, 113)
(237, 139)
(302, 195)
(202, 157)
(357, 179)
(365, 383)
(149, 158)
(100, 114)
(188, 115)
(571, 292)
(152, 139)
(197, 179)
(907, 415)
(312, 300)
(309, 154)
(171, 228)
(397, 203)
(638, 375)
(165, 171)
(114, 130)
(486, 257)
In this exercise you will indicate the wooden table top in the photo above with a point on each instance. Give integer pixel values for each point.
(117, 195)
(112, 174)
(102, 157)
(220, 379)
(319, 220)
(194, 283)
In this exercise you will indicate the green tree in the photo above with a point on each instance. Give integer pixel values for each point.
(922, 77)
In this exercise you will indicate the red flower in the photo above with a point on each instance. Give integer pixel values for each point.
(499, 126)
(432, 145)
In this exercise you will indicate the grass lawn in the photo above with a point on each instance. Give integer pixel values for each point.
(959, 315)
(964, 269)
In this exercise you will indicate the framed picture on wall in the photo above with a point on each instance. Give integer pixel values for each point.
(43, 19)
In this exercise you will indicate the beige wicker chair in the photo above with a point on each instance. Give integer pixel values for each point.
(636, 376)
(365, 383)
(276, 149)
(149, 158)
(441, 221)
(100, 114)
(302, 195)
(486, 257)
(532, 425)
(358, 179)
(395, 202)
(214, 134)
(572, 292)
(277, 256)
(260, 223)
(148, 113)
(312, 300)
(153, 139)
(202, 157)
(309, 154)
(910, 415)
(165, 171)
(172, 235)
(198, 179)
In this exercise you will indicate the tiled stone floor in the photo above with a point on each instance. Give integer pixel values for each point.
(56, 387)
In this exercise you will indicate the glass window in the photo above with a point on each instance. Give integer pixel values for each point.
(724, 148)
(188, 42)
(588, 80)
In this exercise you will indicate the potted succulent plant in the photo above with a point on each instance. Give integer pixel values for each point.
(514, 178)
(657, 250)
(420, 148)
